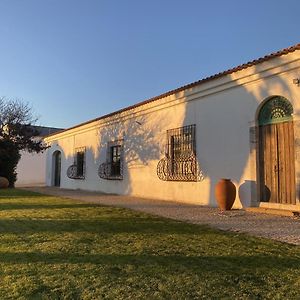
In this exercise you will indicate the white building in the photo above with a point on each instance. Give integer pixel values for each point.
(241, 124)
(31, 168)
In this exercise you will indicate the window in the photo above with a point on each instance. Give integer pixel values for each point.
(80, 163)
(113, 167)
(115, 160)
(77, 170)
(181, 142)
(180, 162)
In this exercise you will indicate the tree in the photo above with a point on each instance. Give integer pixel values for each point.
(17, 133)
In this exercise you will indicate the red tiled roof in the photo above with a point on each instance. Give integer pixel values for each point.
(190, 85)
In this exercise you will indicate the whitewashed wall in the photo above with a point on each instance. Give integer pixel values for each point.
(223, 110)
(31, 169)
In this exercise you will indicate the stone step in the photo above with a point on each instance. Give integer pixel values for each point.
(274, 211)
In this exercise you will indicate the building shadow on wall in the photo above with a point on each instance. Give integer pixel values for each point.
(225, 148)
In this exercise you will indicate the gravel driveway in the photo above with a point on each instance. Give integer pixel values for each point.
(285, 229)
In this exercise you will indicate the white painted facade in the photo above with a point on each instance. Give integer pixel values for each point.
(31, 169)
(224, 110)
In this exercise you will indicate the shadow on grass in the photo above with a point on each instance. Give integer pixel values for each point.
(16, 206)
(201, 263)
(12, 193)
(105, 225)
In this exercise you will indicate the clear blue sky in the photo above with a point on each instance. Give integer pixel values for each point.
(75, 60)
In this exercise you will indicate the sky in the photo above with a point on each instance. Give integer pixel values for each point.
(75, 60)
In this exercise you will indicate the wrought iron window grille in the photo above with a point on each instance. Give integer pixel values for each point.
(78, 169)
(112, 169)
(276, 109)
(180, 161)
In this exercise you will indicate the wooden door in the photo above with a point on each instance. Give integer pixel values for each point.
(277, 163)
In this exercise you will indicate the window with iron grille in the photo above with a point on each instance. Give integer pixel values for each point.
(80, 163)
(115, 160)
(77, 169)
(180, 163)
(113, 167)
(181, 141)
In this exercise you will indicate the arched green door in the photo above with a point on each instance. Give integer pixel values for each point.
(276, 152)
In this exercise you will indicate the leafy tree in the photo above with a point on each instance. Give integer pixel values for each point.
(17, 133)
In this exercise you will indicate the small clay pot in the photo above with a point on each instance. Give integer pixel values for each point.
(4, 183)
(225, 193)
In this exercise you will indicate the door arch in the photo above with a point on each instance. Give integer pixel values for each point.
(56, 168)
(276, 159)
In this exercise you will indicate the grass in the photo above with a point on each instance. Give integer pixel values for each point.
(53, 248)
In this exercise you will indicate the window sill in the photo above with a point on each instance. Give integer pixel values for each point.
(78, 177)
(113, 177)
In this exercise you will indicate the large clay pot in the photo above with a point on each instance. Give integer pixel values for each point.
(3, 183)
(225, 193)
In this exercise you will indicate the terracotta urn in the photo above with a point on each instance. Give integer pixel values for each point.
(225, 193)
(3, 183)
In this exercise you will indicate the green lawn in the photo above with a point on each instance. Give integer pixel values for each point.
(52, 248)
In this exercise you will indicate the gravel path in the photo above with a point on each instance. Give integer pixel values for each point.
(285, 229)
